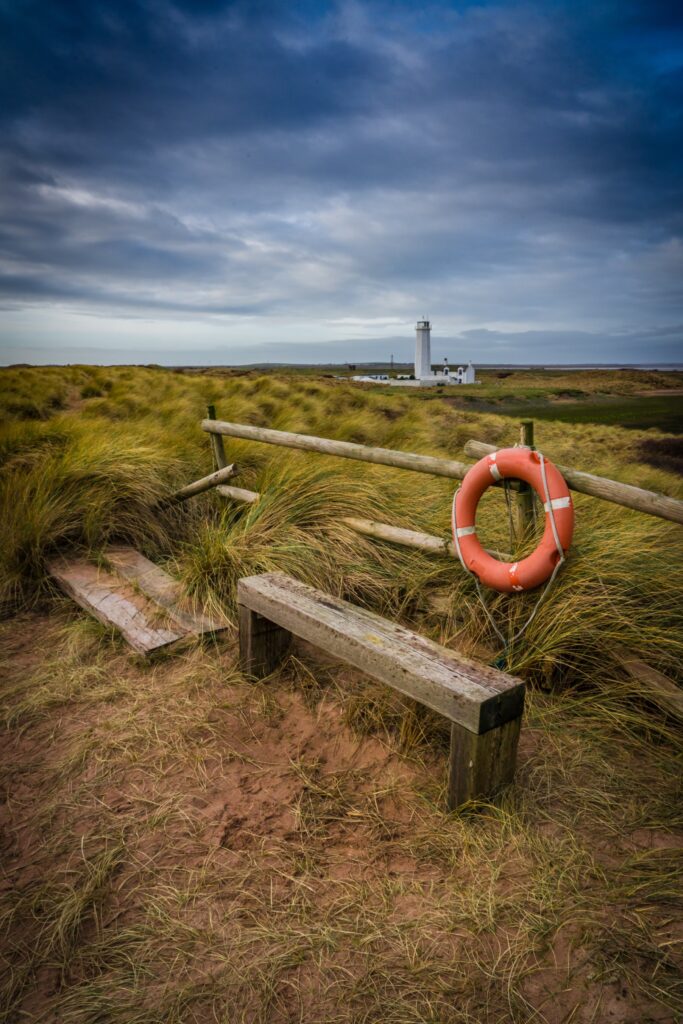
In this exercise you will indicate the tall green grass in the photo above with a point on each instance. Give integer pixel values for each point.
(93, 471)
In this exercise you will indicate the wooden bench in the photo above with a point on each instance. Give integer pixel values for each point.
(483, 704)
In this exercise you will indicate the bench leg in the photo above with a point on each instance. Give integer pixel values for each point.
(481, 763)
(263, 644)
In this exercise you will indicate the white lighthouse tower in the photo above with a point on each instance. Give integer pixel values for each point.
(423, 350)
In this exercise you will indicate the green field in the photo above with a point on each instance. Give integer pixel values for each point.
(639, 400)
(643, 413)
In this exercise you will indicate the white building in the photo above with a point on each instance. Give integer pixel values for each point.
(372, 378)
(424, 376)
(466, 375)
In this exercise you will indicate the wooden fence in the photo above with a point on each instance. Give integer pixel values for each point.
(649, 502)
(659, 689)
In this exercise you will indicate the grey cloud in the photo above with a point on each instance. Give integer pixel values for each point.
(501, 162)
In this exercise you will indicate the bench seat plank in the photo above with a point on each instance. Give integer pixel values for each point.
(471, 694)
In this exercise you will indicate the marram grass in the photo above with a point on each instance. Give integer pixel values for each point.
(93, 469)
(366, 902)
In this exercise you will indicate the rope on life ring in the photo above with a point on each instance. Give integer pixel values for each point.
(544, 563)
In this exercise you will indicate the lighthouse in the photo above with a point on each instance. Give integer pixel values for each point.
(423, 349)
(424, 376)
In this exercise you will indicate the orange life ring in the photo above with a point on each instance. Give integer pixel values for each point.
(549, 484)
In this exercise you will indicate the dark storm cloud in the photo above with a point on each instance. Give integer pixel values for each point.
(496, 162)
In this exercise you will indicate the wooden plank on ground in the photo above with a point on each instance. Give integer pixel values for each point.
(162, 589)
(116, 602)
(475, 696)
(656, 686)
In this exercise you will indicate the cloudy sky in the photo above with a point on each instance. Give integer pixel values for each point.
(231, 182)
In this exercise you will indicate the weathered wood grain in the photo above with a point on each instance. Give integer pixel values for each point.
(426, 542)
(342, 449)
(637, 498)
(655, 686)
(115, 602)
(480, 765)
(162, 589)
(263, 644)
(205, 484)
(406, 538)
(474, 695)
(238, 494)
(219, 457)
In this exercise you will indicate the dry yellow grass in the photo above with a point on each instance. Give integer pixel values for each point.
(181, 846)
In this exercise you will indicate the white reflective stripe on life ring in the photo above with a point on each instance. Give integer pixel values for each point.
(493, 468)
(466, 531)
(557, 503)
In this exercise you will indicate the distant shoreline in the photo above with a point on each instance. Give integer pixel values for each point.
(659, 367)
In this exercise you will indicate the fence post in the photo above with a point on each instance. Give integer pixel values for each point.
(525, 495)
(219, 458)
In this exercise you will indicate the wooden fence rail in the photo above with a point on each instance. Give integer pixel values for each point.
(205, 484)
(342, 449)
(426, 542)
(602, 487)
(599, 487)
